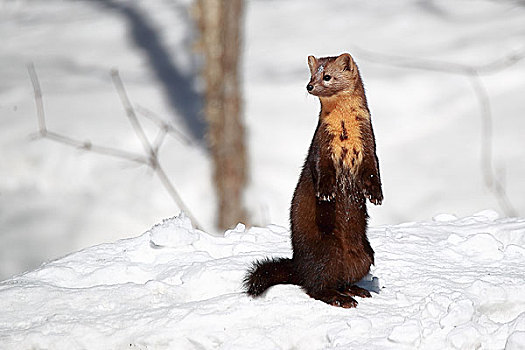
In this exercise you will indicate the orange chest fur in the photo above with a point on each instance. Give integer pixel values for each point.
(343, 124)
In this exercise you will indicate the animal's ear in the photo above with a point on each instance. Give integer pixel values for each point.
(312, 63)
(345, 61)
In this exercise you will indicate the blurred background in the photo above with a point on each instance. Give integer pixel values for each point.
(219, 91)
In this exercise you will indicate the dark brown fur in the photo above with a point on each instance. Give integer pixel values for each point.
(328, 215)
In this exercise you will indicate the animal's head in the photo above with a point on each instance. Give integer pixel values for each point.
(331, 75)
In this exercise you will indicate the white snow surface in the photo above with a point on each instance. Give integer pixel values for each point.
(450, 283)
(455, 282)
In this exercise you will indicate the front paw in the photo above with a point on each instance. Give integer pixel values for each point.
(325, 197)
(372, 189)
(326, 189)
(375, 199)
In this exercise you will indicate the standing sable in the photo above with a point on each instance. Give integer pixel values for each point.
(328, 215)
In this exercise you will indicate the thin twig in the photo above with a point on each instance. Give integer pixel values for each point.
(441, 66)
(149, 149)
(88, 146)
(38, 99)
(474, 76)
(69, 141)
(407, 62)
(171, 130)
(486, 128)
(159, 139)
(503, 63)
(151, 160)
(130, 112)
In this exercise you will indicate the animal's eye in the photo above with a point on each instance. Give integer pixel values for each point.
(327, 77)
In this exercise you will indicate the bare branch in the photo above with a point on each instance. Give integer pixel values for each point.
(38, 99)
(501, 64)
(171, 130)
(486, 128)
(441, 66)
(151, 160)
(501, 195)
(408, 62)
(168, 185)
(159, 139)
(88, 146)
(69, 141)
(473, 74)
(148, 148)
(491, 181)
(130, 112)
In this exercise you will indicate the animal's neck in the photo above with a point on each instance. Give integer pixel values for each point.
(342, 106)
(343, 116)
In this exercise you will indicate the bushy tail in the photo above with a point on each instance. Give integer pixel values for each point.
(268, 272)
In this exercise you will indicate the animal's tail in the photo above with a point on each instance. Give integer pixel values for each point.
(268, 272)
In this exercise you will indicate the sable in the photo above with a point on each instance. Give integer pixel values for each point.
(328, 215)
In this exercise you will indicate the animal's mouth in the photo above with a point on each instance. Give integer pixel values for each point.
(312, 90)
(317, 92)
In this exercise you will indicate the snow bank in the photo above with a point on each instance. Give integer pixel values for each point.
(447, 284)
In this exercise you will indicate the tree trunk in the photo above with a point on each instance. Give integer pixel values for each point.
(220, 22)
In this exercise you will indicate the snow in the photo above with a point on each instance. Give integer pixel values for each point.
(438, 285)
(455, 281)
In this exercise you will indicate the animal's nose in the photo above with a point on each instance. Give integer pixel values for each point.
(309, 87)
